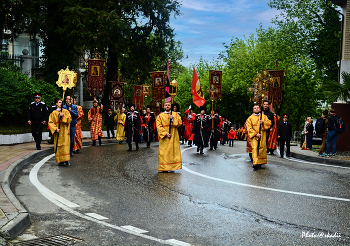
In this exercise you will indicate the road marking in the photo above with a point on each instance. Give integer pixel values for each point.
(96, 216)
(135, 229)
(68, 206)
(33, 177)
(262, 187)
(315, 163)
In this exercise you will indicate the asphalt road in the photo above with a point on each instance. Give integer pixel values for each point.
(216, 199)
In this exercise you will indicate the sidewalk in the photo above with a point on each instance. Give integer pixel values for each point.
(14, 218)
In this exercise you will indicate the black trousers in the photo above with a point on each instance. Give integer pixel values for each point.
(37, 130)
(110, 128)
(282, 141)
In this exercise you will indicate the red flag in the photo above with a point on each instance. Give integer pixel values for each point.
(198, 96)
(167, 95)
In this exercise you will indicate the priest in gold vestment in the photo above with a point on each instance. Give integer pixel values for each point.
(78, 140)
(257, 125)
(59, 124)
(120, 119)
(95, 119)
(169, 154)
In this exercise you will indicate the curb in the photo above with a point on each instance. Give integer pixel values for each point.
(323, 160)
(22, 221)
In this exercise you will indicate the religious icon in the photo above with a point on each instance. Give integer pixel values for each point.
(138, 93)
(276, 82)
(216, 80)
(158, 81)
(65, 80)
(95, 70)
(117, 92)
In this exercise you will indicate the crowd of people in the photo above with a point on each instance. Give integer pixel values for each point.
(261, 130)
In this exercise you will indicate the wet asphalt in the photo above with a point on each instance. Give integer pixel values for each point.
(205, 203)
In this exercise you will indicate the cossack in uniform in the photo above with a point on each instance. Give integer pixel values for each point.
(132, 127)
(37, 113)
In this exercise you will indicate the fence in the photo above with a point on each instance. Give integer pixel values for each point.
(5, 57)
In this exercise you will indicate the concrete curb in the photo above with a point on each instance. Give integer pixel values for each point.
(22, 220)
(323, 160)
(18, 224)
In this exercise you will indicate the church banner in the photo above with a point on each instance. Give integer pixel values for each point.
(215, 81)
(137, 97)
(275, 90)
(117, 95)
(95, 76)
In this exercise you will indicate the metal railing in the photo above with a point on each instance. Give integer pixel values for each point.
(5, 57)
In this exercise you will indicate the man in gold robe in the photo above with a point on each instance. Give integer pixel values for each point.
(257, 125)
(59, 124)
(95, 119)
(78, 142)
(120, 119)
(169, 154)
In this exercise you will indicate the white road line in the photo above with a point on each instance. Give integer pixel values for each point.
(66, 205)
(33, 177)
(135, 229)
(262, 187)
(315, 163)
(96, 216)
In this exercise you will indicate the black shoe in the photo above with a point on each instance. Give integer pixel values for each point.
(272, 153)
(71, 154)
(211, 149)
(120, 142)
(281, 156)
(137, 149)
(38, 148)
(129, 150)
(190, 145)
(94, 143)
(197, 149)
(108, 138)
(256, 167)
(61, 164)
(67, 163)
(288, 155)
(77, 151)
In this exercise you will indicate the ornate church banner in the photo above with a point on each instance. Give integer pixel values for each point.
(138, 97)
(275, 90)
(117, 95)
(95, 76)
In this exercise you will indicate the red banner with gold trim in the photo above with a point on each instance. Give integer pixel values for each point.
(275, 89)
(137, 98)
(117, 95)
(215, 80)
(95, 76)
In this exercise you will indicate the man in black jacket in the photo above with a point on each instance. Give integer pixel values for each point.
(201, 125)
(270, 115)
(109, 123)
(148, 120)
(284, 134)
(132, 127)
(38, 114)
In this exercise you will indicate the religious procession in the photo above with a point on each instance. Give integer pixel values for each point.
(162, 121)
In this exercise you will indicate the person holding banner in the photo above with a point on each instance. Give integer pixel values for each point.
(95, 119)
(59, 124)
(257, 126)
(169, 153)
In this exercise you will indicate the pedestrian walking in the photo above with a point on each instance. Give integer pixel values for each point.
(78, 140)
(231, 137)
(132, 127)
(309, 133)
(257, 126)
(37, 117)
(59, 123)
(321, 130)
(284, 135)
(73, 110)
(120, 119)
(201, 125)
(95, 119)
(109, 123)
(334, 127)
(148, 119)
(169, 153)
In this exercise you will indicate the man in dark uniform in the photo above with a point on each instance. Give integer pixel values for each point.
(132, 127)
(38, 114)
(214, 126)
(225, 128)
(271, 117)
(109, 123)
(201, 125)
(284, 134)
(148, 120)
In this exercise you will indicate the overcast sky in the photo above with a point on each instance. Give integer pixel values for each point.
(204, 25)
